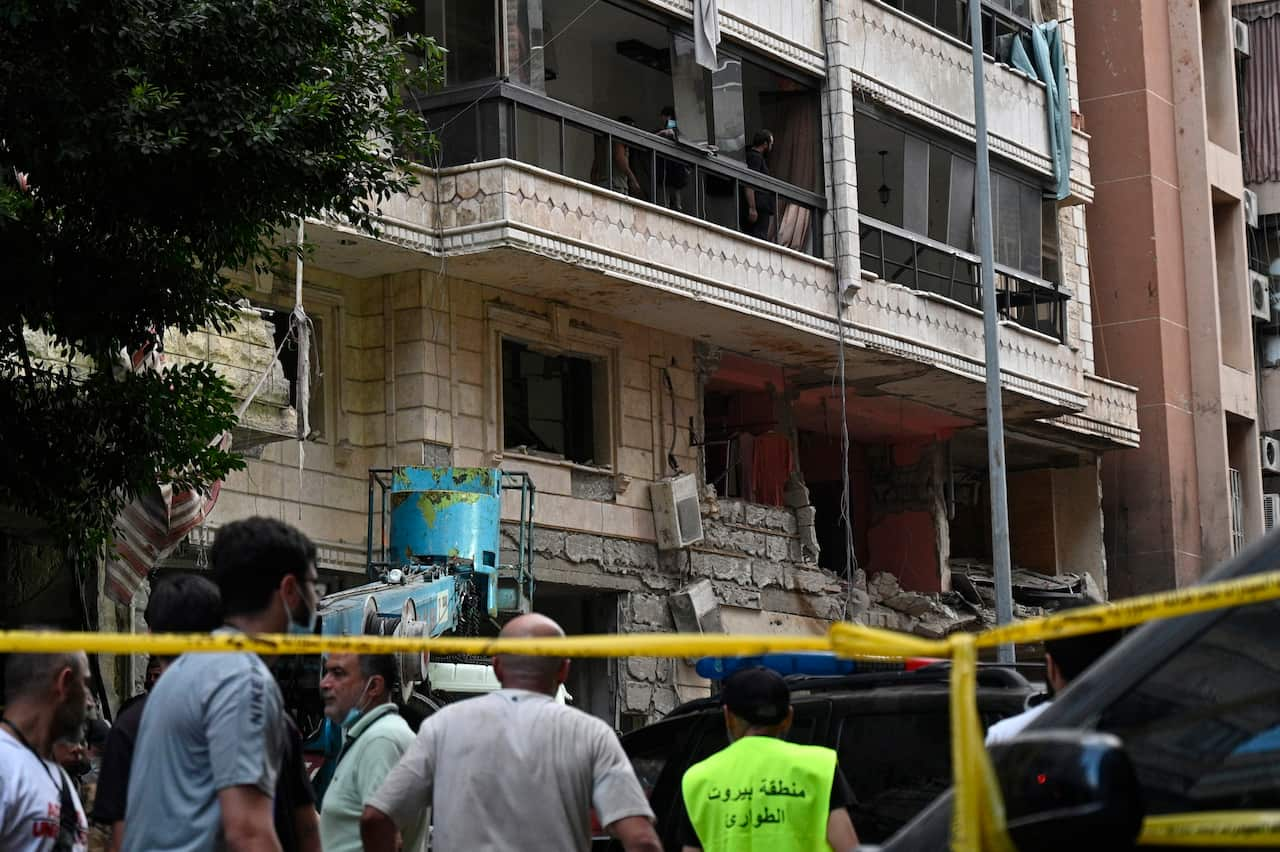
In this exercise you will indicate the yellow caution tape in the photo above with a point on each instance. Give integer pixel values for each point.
(977, 820)
(1216, 829)
(610, 645)
(978, 823)
(1133, 611)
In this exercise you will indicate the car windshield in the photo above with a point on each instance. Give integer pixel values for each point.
(1203, 730)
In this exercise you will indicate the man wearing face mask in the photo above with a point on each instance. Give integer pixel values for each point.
(357, 691)
(213, 735)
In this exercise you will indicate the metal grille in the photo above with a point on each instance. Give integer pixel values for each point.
(1237, 513)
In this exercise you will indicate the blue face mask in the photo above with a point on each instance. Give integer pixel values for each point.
(671, 124)
(304, 624)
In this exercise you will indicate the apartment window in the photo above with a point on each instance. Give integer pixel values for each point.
(554, 403)
(923, 186)
(1002, 20)
(468, 29)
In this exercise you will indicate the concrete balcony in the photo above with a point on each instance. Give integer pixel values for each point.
(514, 226)
(927, 74)
(1109, 419)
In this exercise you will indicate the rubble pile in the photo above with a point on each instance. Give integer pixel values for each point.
(970, 604)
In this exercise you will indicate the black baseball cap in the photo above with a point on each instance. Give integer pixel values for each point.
(757, 695)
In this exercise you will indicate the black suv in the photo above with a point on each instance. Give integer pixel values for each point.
(1192, 702)
(891, 731)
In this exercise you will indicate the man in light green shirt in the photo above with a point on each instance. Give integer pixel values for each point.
(357, 690)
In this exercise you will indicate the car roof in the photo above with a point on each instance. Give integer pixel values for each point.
(826, 686)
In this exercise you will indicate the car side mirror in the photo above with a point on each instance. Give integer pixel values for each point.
(1068, 790)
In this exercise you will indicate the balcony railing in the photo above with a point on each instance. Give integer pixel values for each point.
(503, 120)
(905, 258)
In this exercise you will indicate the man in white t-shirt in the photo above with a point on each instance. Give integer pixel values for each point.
(1064, 660)
(513, 769)
(47, 699)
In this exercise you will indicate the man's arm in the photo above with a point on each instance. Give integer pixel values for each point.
(378, 831)
(306, 827)
(840, 833)
(752, 215)
(247, 820)
(117, 836)
(635, 833)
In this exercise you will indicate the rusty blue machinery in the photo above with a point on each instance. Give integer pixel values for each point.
(436, 565)
(435, 555)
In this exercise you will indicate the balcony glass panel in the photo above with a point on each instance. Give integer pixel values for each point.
(674, 185)
(465, 135)
(537, 139)
(585, 153)
(719, 199)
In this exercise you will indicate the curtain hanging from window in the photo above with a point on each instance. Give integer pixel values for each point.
(706, 32)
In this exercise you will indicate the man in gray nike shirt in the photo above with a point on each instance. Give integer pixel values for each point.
(212, 736)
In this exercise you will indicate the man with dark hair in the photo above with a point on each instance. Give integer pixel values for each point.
(213, 735)
(537, 764)
(757, 212)
(762, 792)
(47, 701)
(358, 691)
(1064, 660)
(186, 603)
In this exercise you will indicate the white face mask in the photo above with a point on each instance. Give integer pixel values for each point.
(302, 624)
(354, 714)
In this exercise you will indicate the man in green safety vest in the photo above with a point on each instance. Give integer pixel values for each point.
(762, 792)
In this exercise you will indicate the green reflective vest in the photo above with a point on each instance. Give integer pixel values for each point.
(761, 793)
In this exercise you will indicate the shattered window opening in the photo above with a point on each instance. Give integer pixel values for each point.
(550, 402)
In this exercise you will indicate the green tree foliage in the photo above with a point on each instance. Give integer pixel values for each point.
(146, 146)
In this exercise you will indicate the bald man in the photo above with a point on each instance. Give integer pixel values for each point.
(48, 697)
(514, 769)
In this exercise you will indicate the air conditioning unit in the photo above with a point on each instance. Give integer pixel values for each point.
(1270, 452)
(1250, 208)
(677, 517)
(1259, 297)
(1240, 36)
(1270, 511)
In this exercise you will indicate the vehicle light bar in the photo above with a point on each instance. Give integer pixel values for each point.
(815, 663)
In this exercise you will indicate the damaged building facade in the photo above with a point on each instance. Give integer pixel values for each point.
(570, 293)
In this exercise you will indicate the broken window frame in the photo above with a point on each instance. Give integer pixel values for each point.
(325, 312)
(579, 432)
(561, 337)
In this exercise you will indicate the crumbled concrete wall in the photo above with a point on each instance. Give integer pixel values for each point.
(751, 555)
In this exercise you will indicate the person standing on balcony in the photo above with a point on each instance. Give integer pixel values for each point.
(757, 213)
(624, 177)
(672, 176)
